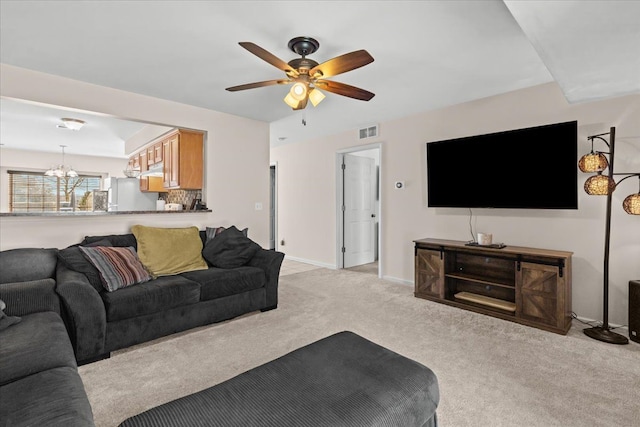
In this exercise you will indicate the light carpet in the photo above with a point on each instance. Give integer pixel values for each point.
(491, 372)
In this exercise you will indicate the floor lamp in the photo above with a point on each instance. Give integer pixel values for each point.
(605, 185)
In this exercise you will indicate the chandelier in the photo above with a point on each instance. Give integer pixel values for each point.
(61, 170)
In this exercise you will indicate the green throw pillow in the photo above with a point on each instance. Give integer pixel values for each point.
(169, 251)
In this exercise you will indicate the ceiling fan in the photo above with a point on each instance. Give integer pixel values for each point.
(307, 76)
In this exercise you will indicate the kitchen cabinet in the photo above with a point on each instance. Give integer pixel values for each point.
(144, 166)
(182, 157)
(154, 154)
(139, 161)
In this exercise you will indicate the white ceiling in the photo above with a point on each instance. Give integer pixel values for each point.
(428, 54)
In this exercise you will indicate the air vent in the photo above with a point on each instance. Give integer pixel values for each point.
(368, 132)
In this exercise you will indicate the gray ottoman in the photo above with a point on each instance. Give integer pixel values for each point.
(341, 380)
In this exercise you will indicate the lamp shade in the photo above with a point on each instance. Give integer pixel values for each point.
(291, 101)
(315, 96)
(593, 162)
(631, 204)
(599, 185)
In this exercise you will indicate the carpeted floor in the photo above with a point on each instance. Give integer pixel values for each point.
(491, 372)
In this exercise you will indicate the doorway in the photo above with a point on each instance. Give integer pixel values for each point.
(358, 208)
(273, 206)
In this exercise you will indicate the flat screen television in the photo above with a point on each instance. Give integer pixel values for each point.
(531, 168)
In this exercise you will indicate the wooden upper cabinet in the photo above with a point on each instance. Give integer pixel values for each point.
(183, 160)
(154, 153)
(150, 156)
(157, 152)
(142, 160)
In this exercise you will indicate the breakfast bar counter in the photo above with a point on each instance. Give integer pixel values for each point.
(90, 213)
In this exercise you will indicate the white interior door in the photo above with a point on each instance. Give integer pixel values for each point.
(359, 207)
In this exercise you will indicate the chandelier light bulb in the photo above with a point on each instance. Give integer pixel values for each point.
(298, 91)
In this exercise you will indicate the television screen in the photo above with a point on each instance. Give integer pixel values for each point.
(531, 168)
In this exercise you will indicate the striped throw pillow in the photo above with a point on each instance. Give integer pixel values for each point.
(119, 267)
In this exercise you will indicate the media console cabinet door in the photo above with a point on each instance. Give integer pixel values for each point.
(429, 273)
(540, 296)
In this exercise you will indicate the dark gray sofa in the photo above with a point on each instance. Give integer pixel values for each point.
(39, 380)
(101, 322)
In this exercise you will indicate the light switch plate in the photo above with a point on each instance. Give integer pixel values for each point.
(258, 206)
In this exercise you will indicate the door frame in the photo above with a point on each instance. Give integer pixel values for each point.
(274, 165)
(340, 196)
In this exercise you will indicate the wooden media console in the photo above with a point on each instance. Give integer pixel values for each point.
(524, 285)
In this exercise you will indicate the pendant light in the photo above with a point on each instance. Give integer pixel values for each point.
(61, 170)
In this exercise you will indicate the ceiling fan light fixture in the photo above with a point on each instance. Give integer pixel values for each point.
(316, 97)
(291, 101)
(298, 91)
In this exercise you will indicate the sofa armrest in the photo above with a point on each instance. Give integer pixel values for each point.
(85, 313)
(270, 262)
(30, 297)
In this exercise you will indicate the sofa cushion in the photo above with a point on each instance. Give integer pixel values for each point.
(150, 297)
(167, 251)
(41, 264)
(52, 398)
(119, 240)
(119, 267)
(39, 342)
(31, 296)
(221, 282)
(230, 249)
(75, 260)
(6, 321)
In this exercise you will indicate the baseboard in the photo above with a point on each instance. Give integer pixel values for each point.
(398, 280)
(312, 262)
(599, 322)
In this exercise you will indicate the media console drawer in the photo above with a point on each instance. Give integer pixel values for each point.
(524, 285)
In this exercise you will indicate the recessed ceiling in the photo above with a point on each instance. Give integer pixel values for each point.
(428, 54)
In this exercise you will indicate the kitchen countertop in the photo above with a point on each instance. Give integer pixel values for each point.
(83, 213)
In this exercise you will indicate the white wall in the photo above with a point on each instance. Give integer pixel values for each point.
(236, 162)
(307, 201)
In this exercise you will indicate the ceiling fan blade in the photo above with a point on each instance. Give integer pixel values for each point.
(345, 90)
(258, 84)
(269, 57)
(343, 63)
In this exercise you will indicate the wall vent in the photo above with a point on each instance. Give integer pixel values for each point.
(368, 132)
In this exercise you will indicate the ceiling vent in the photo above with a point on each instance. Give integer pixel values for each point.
(368, 132)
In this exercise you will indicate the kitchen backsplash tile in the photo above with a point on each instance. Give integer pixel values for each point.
(183, 197)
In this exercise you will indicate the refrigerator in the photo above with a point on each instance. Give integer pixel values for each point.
(124, 195)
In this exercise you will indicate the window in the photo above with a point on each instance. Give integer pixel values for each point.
(35, 192)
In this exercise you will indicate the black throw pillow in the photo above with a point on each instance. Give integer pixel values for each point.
(116, 240)
(230, 249)
(74, 259)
